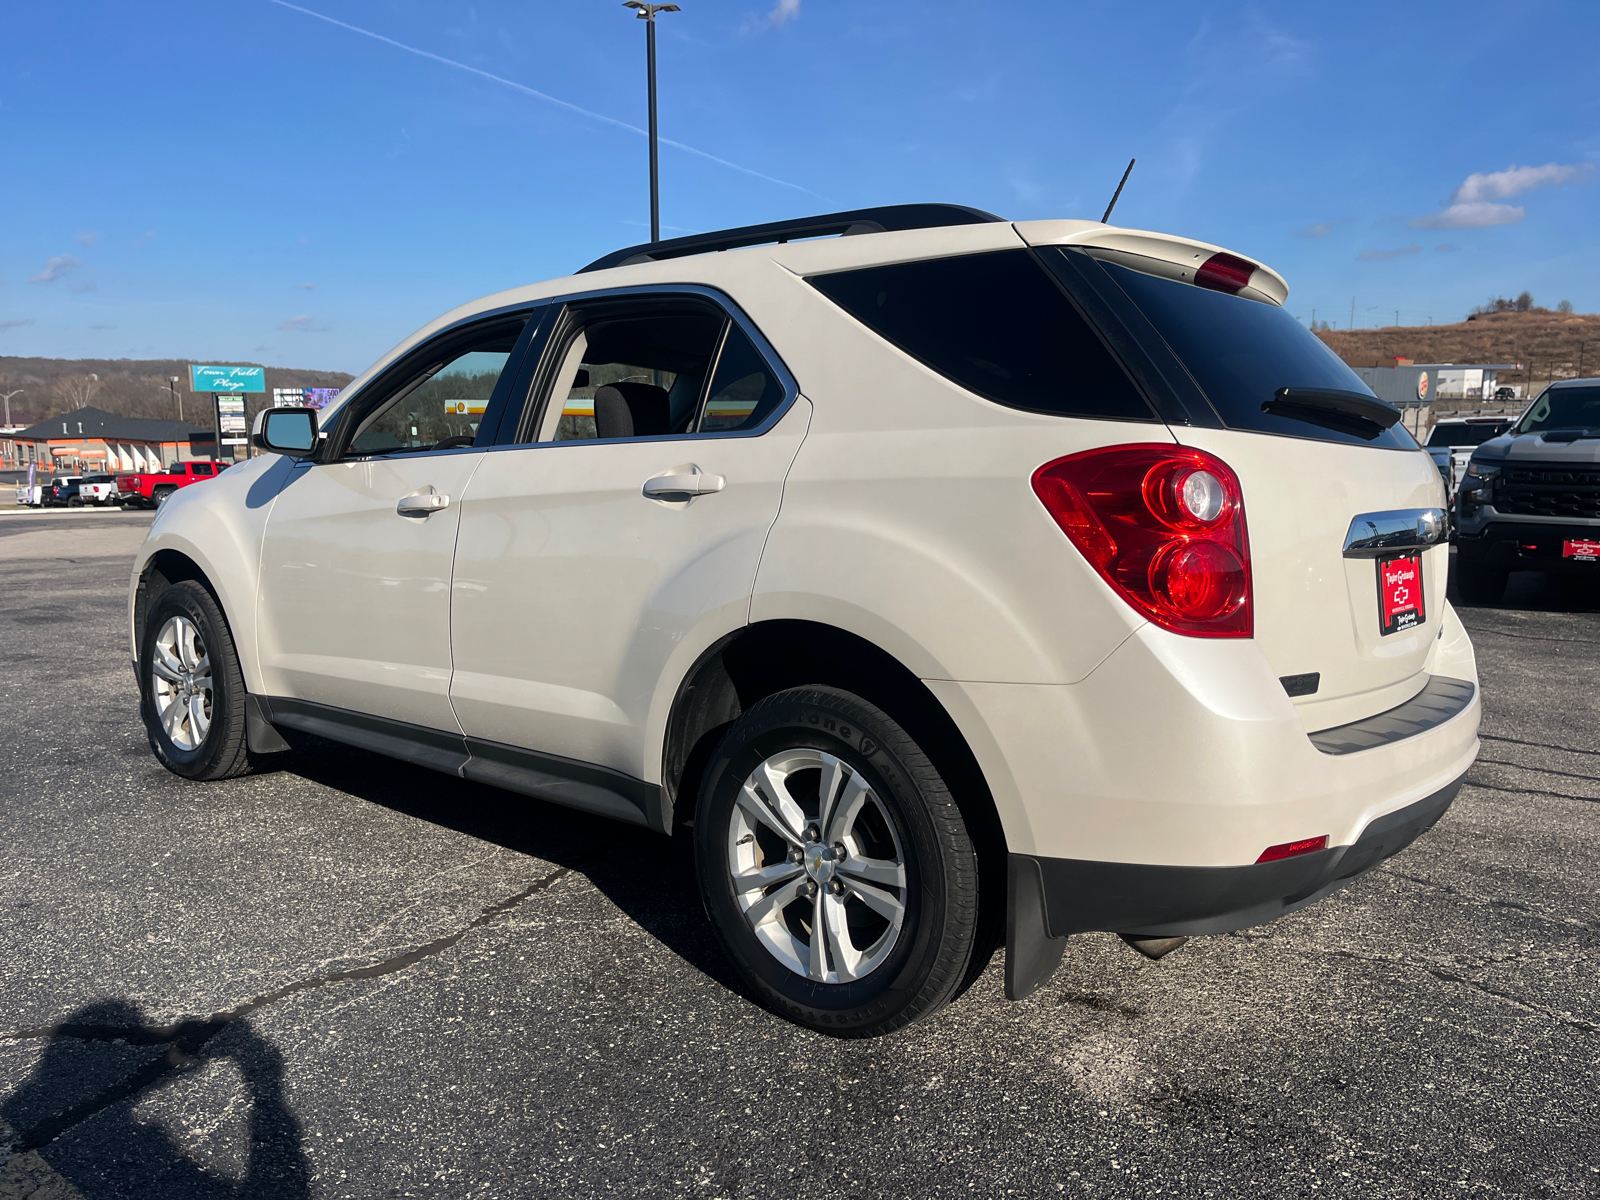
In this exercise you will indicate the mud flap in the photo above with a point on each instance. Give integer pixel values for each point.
(1032, 955)
(260, 734)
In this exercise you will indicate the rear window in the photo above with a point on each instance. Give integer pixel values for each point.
(1241, 352)
(199, 468)
(1475, 434)
(997, 324)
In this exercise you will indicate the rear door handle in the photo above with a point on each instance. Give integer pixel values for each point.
(420, 504)
(683, 483)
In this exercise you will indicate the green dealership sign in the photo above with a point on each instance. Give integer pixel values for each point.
(228, 379)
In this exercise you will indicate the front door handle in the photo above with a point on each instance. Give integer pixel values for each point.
(691, 482)
(421, 504)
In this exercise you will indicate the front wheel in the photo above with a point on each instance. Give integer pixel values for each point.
(835, 865)
(193, 695)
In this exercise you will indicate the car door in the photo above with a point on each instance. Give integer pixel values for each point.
(353, 615)
(620, 532)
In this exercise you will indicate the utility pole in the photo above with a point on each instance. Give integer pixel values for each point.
(1352, 313)
(647, 14)
(172, 386)
(18, 392)
(1397, 318)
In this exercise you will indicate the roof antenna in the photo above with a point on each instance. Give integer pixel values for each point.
(1115, 195)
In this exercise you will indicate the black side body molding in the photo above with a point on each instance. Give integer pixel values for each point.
(1079, 896)
(859, 220)
(563, 781)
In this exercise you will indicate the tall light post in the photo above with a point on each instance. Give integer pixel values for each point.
(8, 396)
(172, 386)
(647, 13)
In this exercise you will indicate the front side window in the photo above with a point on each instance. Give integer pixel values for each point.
(997, 324)
(440, 406)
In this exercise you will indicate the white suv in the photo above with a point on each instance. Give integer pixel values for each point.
(953, 581)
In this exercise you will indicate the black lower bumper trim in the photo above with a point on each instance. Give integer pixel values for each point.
(1079, 896)
(1529, 546)
(1442, 700)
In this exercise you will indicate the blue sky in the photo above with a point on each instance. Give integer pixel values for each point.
(248, 182)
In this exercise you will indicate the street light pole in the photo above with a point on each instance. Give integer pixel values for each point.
(172, 386)
(647, 13)
(8, 396)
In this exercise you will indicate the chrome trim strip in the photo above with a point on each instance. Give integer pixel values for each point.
(1374, 534)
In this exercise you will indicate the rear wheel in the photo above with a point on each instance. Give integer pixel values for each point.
(162, 495)
(1478, 582)
(193, 693)
(835, 866)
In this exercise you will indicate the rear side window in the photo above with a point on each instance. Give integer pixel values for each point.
(200, 468)
(1242, 351)
(997, 324)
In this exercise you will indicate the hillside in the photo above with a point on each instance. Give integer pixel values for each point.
(1550, 345)
(129, 387)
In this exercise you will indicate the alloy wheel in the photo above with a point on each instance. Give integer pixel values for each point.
(180, 683)
(818, 866)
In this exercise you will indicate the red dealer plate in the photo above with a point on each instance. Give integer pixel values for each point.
(1400, 593)
(1582, 551)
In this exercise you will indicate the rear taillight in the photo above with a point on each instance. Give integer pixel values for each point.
(1294, 849)
(1224, 273)
(1164, 526)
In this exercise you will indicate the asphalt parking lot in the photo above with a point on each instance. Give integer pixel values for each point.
(351, 978)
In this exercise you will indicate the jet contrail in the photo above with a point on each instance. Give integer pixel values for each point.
(545, 96)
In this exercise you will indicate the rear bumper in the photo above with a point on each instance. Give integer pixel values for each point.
(1527, 546)
(1051, 898)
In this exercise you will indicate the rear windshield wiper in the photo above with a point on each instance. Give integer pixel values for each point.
(1355, 412)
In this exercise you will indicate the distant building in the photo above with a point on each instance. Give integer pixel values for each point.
(92, 440)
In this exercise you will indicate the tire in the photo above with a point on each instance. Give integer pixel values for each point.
(1477, 582)
(205, 737)
(161, 496)
(74, 501)
(899, 906)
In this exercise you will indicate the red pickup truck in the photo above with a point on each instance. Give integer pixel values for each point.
(147, 491)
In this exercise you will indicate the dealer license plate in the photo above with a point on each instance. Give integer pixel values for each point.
(1400, 593)
(1581, 550)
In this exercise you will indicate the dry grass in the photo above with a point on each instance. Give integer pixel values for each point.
(1550, 345)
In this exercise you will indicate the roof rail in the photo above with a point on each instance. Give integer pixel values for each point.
(860, 220)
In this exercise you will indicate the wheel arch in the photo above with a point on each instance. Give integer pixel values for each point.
(758, 660)
(175, 560)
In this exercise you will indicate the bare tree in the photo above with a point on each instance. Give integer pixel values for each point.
(75, 391)
(1524, 302)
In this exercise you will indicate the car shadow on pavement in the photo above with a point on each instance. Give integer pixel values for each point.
(77, 1107)
(649, 877)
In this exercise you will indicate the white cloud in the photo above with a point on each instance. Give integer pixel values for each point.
(302, 324)
(56, 267)
(1382, 255)
(1473, 204)
(13, 324)
(1479, 214)
(1445, 248)
(1502, 185)
(1319, 229)
(308, 286)
(782, 13)
(88, 238)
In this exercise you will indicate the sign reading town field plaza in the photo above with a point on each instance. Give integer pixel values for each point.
(227, 379)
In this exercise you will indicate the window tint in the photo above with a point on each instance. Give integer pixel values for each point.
(743, 391)
(441, 407)
(200, 468)
(634, 376)
(1473, 434)
(997, 324)
(1242, 351)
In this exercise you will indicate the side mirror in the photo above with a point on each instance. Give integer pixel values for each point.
(288, 431)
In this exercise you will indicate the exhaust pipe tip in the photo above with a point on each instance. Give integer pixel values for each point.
(1153, 947)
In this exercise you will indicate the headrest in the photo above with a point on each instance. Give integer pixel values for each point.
(631, 409)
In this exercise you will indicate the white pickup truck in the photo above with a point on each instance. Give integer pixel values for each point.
(98, 490)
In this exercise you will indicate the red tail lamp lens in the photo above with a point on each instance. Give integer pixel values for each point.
(1224, 273)
(1164, 526)
(1294, 849)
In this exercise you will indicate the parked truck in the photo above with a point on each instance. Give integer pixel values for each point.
(149, 490)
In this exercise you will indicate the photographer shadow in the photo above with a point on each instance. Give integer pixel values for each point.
(73, 1118)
